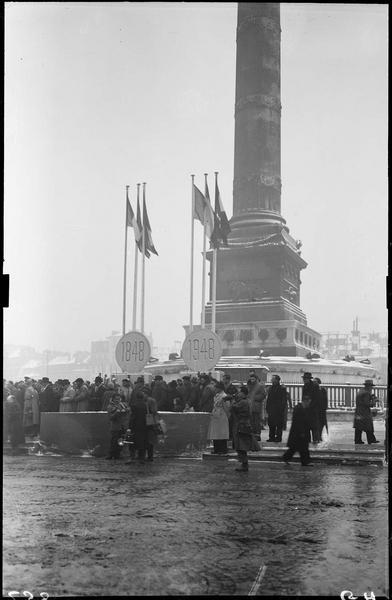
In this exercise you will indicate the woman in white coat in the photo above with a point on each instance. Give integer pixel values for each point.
(218, 430)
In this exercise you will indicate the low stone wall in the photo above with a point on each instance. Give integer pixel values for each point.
(77, 432)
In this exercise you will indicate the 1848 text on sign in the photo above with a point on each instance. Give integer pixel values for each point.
(133, 352)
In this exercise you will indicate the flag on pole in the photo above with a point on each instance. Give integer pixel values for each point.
(208, 213)
(199, 205)
(221, 222)
(132, 221)
(149, 245)
(140, 226)
(202, 210)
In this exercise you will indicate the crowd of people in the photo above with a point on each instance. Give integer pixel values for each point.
(238, 412)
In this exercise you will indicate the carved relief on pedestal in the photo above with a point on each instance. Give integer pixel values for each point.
(291, 294)
(247, 290)
(281, 334)
(263, 335)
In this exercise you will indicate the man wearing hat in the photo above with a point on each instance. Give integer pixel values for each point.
(31, 414)
(67, 403)
(185, 392)
(126, 390)
(276, 409)
(159, 391)
(81, 395)
(363, 420)
(206, 393)
(48, 400)
(311, 391)
(96, 392)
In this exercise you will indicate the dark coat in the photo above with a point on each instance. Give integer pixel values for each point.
(243, 438)
(186, 393)
(49, 400)
(13, 422)
(277, 406)
(176, 397)
(299, 436)
(311, 390)
(323, 407)
(207, 394)
(363, 419)
(160, 394)
(194, 396)
(231, 391)
(143, 434)
(20, 394)
(95, 400)
(168, 402)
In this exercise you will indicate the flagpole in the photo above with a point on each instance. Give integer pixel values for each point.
(143, 264)
(192, 250)
(213, 316)
(203, 285)
(214, 261)
(135, 273)
(125, 259)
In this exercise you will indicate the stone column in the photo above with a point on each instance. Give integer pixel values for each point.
(257, 176)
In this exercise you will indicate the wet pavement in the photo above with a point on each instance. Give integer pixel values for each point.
(178, 526)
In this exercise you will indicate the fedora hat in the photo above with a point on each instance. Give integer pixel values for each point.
(369, 382)
(307, 375)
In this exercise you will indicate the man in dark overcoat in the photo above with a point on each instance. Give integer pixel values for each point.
(323, 394)
(310, 390)
(243, 437)
(231, 392)
(49, 401)
(363, 420)
(144, 434)
(299, 436)
(206, 394)
(96, 393)
(186, 392)
(138, 387)
(160, 392)
(118, 414)
(195, 394)
(276, 409)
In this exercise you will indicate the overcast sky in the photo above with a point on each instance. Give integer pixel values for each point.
(101, 95)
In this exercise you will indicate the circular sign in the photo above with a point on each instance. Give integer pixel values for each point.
(201, 350)
(133, 352)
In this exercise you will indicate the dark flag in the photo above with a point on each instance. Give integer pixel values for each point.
(149, 245)
(223, 221)
(199, 205)
(132, 221)
(139, 223)
(209, 213)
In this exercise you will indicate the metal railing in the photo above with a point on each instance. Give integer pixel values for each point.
(340, 396)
